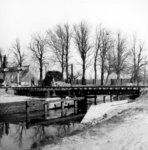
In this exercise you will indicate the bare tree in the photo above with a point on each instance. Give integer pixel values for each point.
(18, 55)
(109, 65)
(59, 42)
(39, 51)
(53, 43)
(68, 35)
(103, 44)
(97, 47)
(138, 59)
(120, 55)
(81, 39)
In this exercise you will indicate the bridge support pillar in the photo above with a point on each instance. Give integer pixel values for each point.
(95, 100)
(84, 104)
(6, 128)
(104, 100)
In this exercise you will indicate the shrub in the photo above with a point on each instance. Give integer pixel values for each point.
(57, 75)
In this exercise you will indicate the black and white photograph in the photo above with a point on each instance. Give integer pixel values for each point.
(73, 74)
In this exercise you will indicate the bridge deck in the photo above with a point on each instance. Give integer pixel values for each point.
(78, 90)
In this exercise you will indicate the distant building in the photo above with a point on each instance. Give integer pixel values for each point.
(24, 76)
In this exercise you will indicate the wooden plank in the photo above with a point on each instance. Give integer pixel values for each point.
(67, 99)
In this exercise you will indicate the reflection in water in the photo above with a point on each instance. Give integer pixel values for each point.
(17, 134)
(37, 132)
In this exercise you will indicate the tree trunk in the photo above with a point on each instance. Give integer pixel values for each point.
(95, 72)
(102, 72)
(62, 65)
(137, 79)
(83, 75)
(118, 78)
(67, 48)
(66, 65)
(41, 70)
(62, 71)
(72, 74)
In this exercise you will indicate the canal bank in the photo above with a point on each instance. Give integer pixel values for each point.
(64, 127)
(125, 127)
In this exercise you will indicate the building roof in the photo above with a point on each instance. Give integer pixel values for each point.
(28, 76)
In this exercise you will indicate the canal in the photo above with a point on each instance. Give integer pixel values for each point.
(17, 133)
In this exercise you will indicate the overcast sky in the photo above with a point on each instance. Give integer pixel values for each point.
(21, 18)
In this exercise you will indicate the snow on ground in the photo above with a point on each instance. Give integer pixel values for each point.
(125, 128)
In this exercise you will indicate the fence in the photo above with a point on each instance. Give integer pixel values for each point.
(110, 81)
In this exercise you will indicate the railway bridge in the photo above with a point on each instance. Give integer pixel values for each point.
(78, 90)
(77, 95)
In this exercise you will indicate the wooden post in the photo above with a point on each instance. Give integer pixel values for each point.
(4, 65)
(7, 128)
(95, 100)
(27, 112)
(117, 97)
(75, 103)
(104, 101)
(62, 109)
(46, 110)
(111, 98)
(62, 105)
(75, 106)
(46, 105)
(84, 104)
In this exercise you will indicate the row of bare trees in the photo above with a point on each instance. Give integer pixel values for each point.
(116, 55)
(107, 51)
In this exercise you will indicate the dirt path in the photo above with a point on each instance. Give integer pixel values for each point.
(127, 131)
